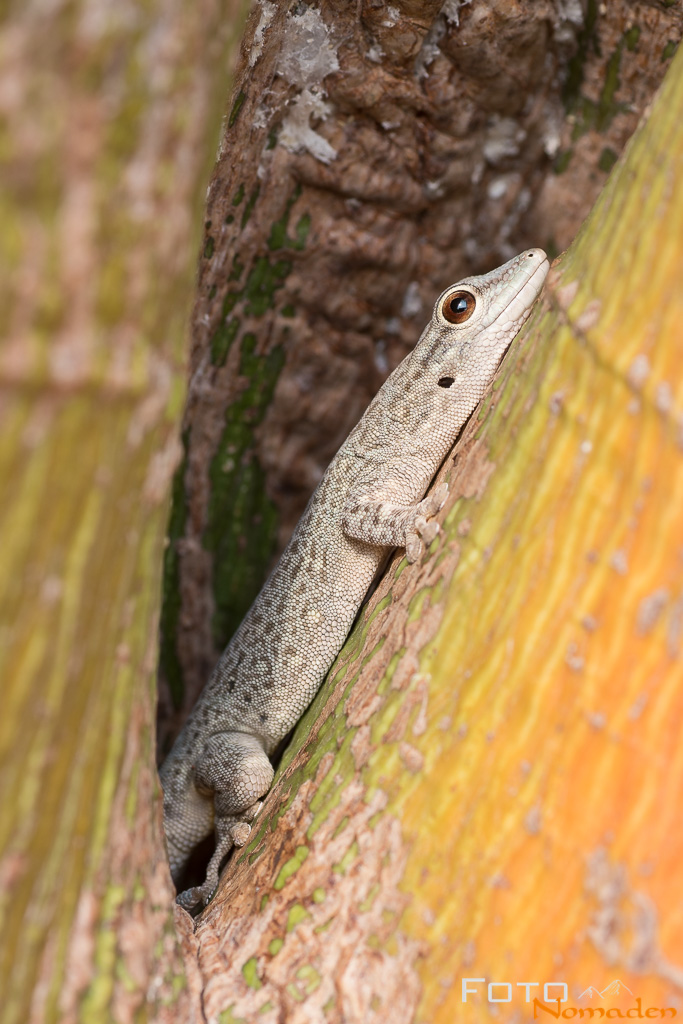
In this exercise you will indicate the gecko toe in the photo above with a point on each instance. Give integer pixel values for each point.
(240, 833)
(429, 531)
(440, 496)
(413, 547)
(198, 894)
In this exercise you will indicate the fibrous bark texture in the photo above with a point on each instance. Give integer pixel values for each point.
(110, 115)
(488, 785)
(373, 154)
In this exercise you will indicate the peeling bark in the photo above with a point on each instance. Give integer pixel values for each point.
(374, 154)
(110, 115)
(414, 143)
(487, 785)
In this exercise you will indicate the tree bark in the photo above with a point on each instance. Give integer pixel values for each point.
(374, 153)
(487, 786)
(110, 121)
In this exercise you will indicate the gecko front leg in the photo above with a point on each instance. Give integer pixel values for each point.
(379, 509)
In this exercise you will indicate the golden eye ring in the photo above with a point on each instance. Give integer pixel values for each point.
(458, 306)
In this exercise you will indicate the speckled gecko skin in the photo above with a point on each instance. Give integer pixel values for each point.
(370, 499)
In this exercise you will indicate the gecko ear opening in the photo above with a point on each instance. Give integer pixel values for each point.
(445, 382)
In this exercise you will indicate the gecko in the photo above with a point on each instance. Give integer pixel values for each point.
(370, 500)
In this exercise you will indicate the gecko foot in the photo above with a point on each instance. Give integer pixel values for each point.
(189, 899)
(203, 893)
(424, 529)
(230, 831)
(435, 501)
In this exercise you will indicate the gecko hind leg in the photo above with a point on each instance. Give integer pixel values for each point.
(230, 831)
(235, 768)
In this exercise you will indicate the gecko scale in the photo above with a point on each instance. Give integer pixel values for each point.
(370, 499)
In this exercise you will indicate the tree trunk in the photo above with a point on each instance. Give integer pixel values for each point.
(488, 785)
(110, 119)
(374, 154)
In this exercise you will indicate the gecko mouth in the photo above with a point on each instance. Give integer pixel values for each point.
(528, 292)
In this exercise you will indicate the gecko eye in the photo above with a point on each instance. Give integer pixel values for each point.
(458, 307)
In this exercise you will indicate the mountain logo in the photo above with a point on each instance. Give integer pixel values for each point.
(591, 993)
(614, 989)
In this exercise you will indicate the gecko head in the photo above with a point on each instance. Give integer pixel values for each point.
(474, 322)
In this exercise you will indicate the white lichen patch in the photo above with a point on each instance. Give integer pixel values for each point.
(498, 187)
(589, 316)
(533, 820)
(297, 135)
(267, 14)
(570, 10)
(624, 925)
(570, 17)
(504, 138)
(650, 609)
(429, 51)
(552, 132)
(574, 659)
(380, 357)
(307, 57)
(412, 303)
(619, 562)
(664, 397)
(638, 371)
(638, 706)
(307, 51)
(451, 10)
